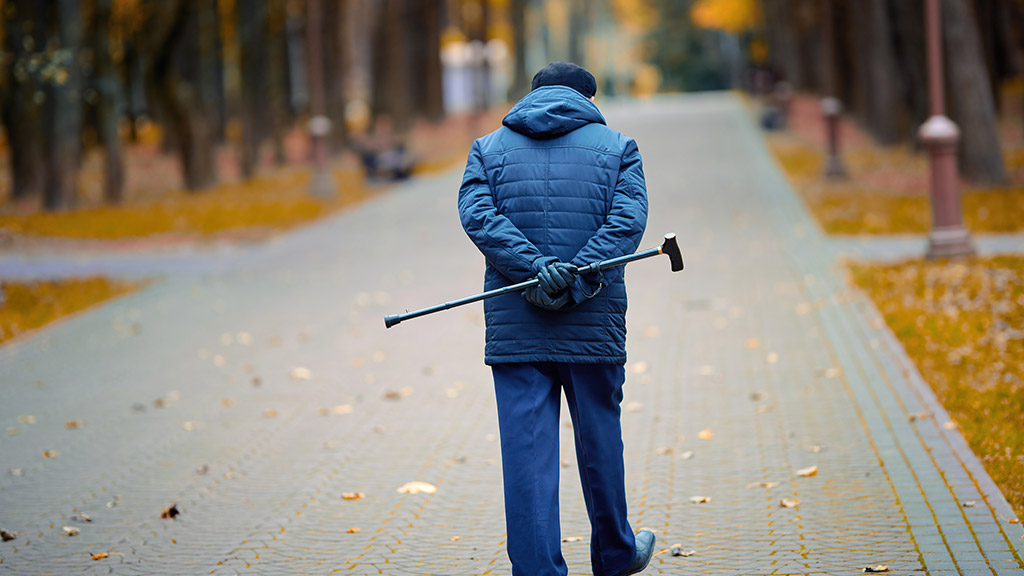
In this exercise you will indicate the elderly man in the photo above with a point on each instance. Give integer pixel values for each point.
(553, 188)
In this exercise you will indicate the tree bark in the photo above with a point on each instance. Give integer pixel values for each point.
(252, 48)
(335, 55)
(780, 28)
(520, 79)
(174, 97)
(21, 113)
(970, 96)
(910, 41)
(63, 109)
(108, 105)
(884, 105)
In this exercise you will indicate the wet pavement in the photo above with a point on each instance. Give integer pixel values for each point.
(255, 388)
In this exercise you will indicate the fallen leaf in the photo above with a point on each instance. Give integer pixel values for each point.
(756, 396)
(13, 431)
(227, 402)
(170, 512)
(686, 455)
(949, 425)
(789, 502)
(189, 426)
(706, 434)
(700, 499)
(81, 517)
(662, 451)
(270, 413)
(202, 469)
(918, 416)
(572, 539)
(16, 471)
(300, 373)
(99, 555)
(256, 381)
(73, 424)
(1014, 521)
(49, 454)
(762, 485)
(814, 449)
(27, 419)
(454, 539)
(752, 343)
(772, 358)
(341, 409)
(970, 503)
(879, 568)
(678, 550)
(807, 472)
(353, 495)
(417, 487)
(398, 394)
(634, 406)
(353, 530)
(7, 536)
(70, 531)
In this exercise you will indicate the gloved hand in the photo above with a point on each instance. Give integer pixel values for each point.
(538, 297)
(556, 278)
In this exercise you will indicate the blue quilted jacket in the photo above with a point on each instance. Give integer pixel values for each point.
(554, 182)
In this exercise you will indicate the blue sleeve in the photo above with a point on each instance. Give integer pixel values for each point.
(503, 245)
(623, 226)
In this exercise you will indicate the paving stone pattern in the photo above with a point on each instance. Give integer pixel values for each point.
(187, 395)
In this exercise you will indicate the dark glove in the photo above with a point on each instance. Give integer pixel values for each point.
(538, 297)
(556, 277)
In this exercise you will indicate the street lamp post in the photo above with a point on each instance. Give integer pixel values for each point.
(319, 124)
(831, 107)
(948, 237)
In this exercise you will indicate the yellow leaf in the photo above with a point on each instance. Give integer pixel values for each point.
(417, 487)
(706, 434)
(807, 472)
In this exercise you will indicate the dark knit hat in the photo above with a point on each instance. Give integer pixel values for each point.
(566, 74)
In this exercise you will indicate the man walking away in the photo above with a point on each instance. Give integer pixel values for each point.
(554, 187)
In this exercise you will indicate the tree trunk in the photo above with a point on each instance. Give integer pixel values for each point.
(909, 40)
(23, 27)
(520, 78)
(108, 88)
(780, 28)
(970, 96)
(252, 42)
(433, 95)
(175, 98)
(334, 57)
(63, 113)
(884, 105)
(579, 22)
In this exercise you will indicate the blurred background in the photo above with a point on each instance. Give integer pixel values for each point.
(107, 102)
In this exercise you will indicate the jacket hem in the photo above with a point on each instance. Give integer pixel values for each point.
(492, 359)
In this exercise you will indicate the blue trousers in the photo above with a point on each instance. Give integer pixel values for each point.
(529, 401)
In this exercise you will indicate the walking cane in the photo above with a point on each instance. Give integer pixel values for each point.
(669, 247)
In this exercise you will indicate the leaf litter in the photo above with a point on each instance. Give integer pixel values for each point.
(417, 487)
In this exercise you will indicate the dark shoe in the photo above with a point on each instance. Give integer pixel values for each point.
(645, 541)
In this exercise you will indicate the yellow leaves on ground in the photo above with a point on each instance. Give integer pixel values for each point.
(962, 322)
(789, 502)
(353, 530)
(700, 499)
(353, 495)
(31, 305)
(417, 487)
(276, 201)
(728, 15)
(99, 555)
(706, 434)
(879, 568)
(807, 472)
(888, 192)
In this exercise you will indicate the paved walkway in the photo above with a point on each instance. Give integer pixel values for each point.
(188, 393)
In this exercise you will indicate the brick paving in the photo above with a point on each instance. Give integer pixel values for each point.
(187, 393)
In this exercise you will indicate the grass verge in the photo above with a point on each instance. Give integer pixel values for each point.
(962, 322)
(888, 193)
(28, 306)
(273, 202)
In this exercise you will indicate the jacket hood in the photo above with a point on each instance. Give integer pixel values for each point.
(552, 111)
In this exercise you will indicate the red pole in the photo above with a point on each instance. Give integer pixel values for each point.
(319, 124)
(831, 107)
(948, 237)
